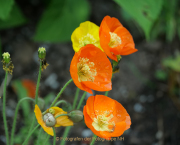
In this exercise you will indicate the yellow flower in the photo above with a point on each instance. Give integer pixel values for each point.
(86, 33)
(48, 120)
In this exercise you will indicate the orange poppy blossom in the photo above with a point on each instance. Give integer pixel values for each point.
(47, 121)
(30, 86)
(91, 69)
(115, 39)
(106, 117)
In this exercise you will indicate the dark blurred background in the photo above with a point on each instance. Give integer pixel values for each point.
(147, 84)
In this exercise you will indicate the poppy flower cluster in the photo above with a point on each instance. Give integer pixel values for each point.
(91, 69)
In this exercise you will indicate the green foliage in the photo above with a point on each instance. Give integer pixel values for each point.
(15, 18)
(5, 8)
(144, 12)
(161, 75)
(59, 20)
(0, 49)
(172, 63)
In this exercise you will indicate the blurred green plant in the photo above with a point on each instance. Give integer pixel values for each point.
(154, 17)
(59, 20)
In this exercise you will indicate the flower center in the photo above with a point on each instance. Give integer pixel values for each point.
(101, 123)
(87, 39)
(115, 40)
(86, 70)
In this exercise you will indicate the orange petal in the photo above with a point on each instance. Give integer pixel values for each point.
(74, 75)
(103, 103)
(118, 130)
(88, 121)
(112, 23)
(102, 81)
(104, 41)
(90, 107)
(127, 45)
(30, 87)
(38, 115)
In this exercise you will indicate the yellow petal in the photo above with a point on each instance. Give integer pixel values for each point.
(38, 115)
(86, 33)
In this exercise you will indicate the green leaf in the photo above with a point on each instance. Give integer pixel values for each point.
(15, 18)
(144, 12)
(0, 49)
(60, 19)
(161, 75)
(5, 8)
(172, 63)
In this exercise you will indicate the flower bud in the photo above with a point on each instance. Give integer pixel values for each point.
(42, 53)
(49, 120)
(52, 111)
(6, 57)
(75, 116)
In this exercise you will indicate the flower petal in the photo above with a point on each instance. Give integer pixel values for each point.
(63, 120)
(38, 115)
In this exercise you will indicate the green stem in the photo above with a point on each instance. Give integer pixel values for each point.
(59, 102)
(76, 98)
(15, 117)
(38, 82)
(57, 97)
(106, 93)
(93, 139)
(47, 138)
(67, 129)
(4, 109)
(61, 115)
(54, 142)
(81, 100)
(29, 134)
(39, 136)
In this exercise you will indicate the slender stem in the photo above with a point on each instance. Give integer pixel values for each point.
(54, 142)
(36, 96)
(59, 102)
(4, 110)
(29, 134)
(57, 97)
(76, 98)
(61, 115)
(38, 82)
(93, 139)
(47, 138)
(106, 93)
(15, 117)
(39, 135)
(67, 129)
(81, 100)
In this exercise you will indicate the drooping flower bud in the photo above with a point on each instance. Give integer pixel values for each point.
(49, 120)
(7, 63)
(76, 116)
(42, 53)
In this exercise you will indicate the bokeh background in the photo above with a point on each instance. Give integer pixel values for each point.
(148, 81)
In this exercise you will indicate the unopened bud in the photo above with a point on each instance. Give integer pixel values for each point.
(6, 57)
(42, 53)
(52, 111)
(49, 120)
(75, 116)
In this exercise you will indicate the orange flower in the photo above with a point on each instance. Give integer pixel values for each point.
(91, 69)
(30, 86)
(53, 112)
(106, 117)
(115, 39)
